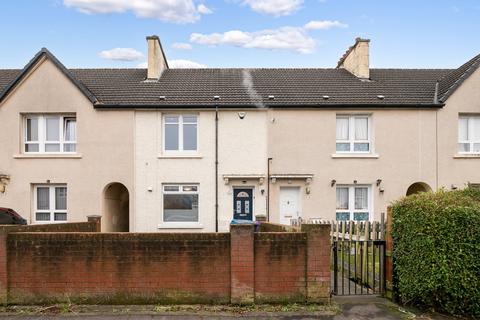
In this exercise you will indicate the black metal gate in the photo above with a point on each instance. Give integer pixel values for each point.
(358, 267)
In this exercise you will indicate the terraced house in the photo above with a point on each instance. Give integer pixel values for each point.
(162, 149)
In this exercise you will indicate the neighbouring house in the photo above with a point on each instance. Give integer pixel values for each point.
(162, 149)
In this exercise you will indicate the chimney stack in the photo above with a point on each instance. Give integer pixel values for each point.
(157, 62)
(356, 59)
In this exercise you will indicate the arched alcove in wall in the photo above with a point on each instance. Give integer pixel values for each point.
(115, 208)
(418, 187)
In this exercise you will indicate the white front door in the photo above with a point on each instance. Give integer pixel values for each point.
(289, 204)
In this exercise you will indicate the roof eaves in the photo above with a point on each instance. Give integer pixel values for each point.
(274, 106)
(458, 82)
(44, 52)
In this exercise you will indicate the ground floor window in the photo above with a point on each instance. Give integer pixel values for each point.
(180, 203)
(353, 203)
(50, 203)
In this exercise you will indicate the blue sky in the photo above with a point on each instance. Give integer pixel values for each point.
(266, 33)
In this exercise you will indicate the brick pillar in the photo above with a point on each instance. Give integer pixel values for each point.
(3, 268)
(318, 272)
(242, 264)
(389, 256)
(98, 222)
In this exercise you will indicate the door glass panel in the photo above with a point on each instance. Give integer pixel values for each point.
(247, 207)
(239, 206)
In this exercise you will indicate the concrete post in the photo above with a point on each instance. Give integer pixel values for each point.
(97, 220)
(318, 272)
(242, 264)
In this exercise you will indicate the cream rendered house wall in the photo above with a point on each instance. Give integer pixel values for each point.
(242, 150)
(454, 168)
(303, 142)
(104, 146)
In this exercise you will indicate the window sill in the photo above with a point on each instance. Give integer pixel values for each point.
(355, 155)
(467, 156)
(48, 156)
(179, 156)
(180, 225)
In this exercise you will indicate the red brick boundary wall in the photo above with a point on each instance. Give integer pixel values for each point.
(239, 267)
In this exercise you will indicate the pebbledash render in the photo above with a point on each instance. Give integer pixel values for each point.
(161, 150)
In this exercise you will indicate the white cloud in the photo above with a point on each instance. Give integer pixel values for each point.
(177, 11)
(178, 64)
(203, 9)
(182, 46)
(284, 38)
(274, 7)
(324, 25)
(121, 54)
(181, 64)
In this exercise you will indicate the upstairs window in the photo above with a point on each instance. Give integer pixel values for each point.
(180, 133)
(50, 134)
(353, 203)
(353, 134)
(469, 134)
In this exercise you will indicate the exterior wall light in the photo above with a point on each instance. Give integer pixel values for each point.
(242, 115)
(333, 182)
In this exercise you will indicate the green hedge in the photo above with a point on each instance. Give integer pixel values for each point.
(437, 250)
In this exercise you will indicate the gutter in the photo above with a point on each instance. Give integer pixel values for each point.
(276, 106)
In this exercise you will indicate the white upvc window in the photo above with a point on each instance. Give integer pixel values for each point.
(180, 203)
(469, 134)
(50, 203)
(354, 202)
(353, 134)
(180, 133)
(50, 134)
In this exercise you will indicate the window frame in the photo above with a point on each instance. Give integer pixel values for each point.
(181, 124)
(470, 132)
(351, 201)
(42, 133)
(52, 204)
(181, 191)
(351, 134)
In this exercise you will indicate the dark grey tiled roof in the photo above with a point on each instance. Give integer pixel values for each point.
(252, 87)
(450, 82)
(249, 87)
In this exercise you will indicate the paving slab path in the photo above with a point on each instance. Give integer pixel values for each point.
(343, 308)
